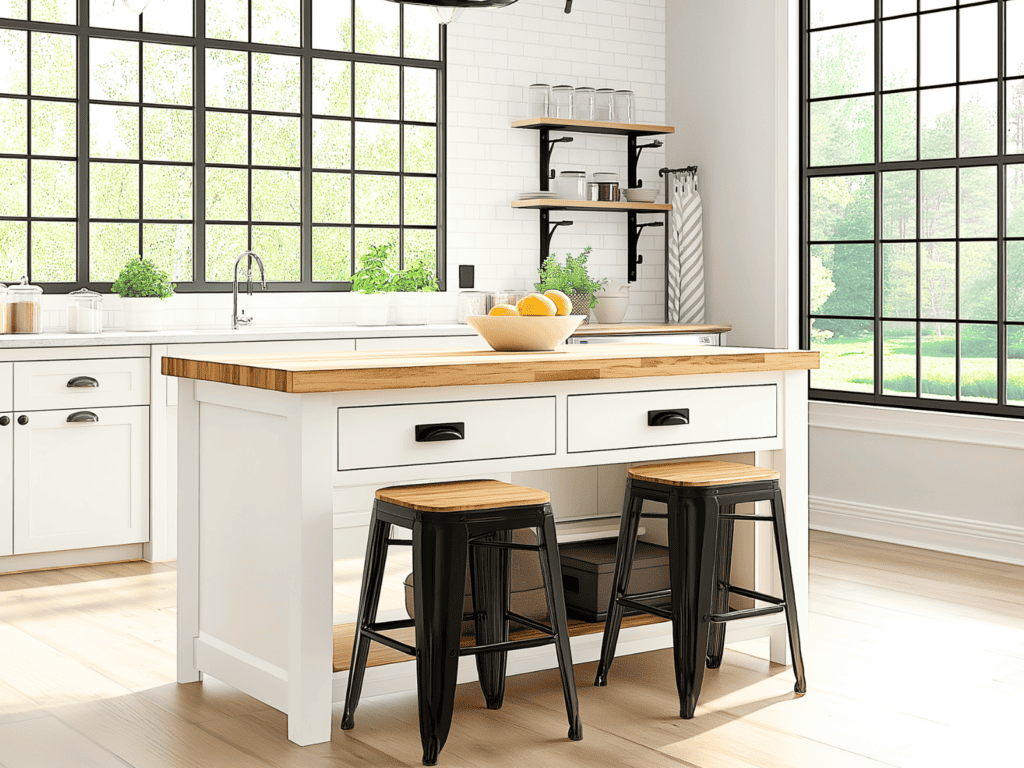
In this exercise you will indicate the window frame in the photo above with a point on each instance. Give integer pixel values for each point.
(83, 32)
(876, 169)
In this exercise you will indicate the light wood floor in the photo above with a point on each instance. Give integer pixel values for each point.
(913, 659)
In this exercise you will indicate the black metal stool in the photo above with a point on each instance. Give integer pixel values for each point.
(701, 498)
(450, 522)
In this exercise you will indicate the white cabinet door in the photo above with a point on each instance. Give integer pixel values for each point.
(6, 484)
(81, 483)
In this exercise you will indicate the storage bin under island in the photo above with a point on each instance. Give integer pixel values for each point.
(270, 447)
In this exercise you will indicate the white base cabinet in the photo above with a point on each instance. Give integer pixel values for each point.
(81, 478)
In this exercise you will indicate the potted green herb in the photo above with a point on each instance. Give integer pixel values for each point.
(142, 287)
(572, 280)
(413, 287)
(371, 286)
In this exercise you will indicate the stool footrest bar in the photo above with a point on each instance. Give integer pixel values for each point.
(527, 622)
(387, 626)
(749, 613)
(662, 612)
(399, 542)
(390, 642)
(509, 645)
(504, 545)
(755, 518)
(754, 595)
(655, 595)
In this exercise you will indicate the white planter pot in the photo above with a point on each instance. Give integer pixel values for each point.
(411, 308)
(371, 308)
(143, 314)
(611, 308)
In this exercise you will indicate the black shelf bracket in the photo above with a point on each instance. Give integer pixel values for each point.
(547, 231)
(547, 147)
(633, 258)
(634, 158)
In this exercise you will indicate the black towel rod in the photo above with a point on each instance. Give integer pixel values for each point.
(691, 169)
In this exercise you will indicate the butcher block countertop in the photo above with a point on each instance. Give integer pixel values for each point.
(637, 329)
(408, 369)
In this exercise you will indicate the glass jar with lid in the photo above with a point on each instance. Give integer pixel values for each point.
(572, 185)
(26, 310)
(603, 104)
(562, 97)
(5, 312)
(539, 98)
(583, 103)
(85, 312)
(623, 108)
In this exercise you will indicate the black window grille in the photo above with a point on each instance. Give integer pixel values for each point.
(306, 130)
(912, 202)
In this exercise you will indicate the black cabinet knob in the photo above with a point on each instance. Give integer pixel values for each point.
(4, 421)
(23, 420)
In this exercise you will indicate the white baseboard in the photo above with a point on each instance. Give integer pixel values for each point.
(987, 541)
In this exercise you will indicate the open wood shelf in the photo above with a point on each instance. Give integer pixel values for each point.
(590, 205)
(381, 655)
(594, 126)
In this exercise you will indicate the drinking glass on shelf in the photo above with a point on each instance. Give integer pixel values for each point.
(561, 101)
(603, 104)
(583, 106)
(539, 99)
(623, 110)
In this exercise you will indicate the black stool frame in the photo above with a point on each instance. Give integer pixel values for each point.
(700, 564)
(442, 543)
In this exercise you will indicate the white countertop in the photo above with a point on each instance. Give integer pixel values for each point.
(210, 335)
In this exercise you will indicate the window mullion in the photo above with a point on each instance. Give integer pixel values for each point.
(306, 150)
(199, 146)
(82, 267)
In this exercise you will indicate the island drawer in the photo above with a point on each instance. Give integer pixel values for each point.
(620, 420)
(59, 384)
(414, 434)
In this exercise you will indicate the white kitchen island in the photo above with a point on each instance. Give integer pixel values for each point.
(268, 445)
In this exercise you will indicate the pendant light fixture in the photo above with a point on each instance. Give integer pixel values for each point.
(448, 10)
(136, 6)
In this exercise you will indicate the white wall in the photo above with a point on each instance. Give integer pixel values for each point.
(722, 97)
(493, 56)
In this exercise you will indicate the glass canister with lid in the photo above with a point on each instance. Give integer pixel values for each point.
(540, 97)
(623, 107)
(583, 103)
(85, 312)
(5, 312)
(25, 306)
(603, 104)
(562, 97)
(572, 185)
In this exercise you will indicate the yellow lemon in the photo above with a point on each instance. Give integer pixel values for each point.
(562, 302)
(536, 305)
(503, 310)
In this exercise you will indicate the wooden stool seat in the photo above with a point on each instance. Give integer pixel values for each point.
(462, 496)
(701, 474)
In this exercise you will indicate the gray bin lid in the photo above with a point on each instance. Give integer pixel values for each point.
(599, 556)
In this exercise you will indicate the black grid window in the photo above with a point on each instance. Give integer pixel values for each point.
(913, 202)
(306, 130)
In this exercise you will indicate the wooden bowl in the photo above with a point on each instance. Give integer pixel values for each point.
(524, 334)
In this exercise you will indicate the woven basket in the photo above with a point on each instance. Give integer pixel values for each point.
(581, 306)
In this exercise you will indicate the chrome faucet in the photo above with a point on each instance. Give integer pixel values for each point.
(239, 320)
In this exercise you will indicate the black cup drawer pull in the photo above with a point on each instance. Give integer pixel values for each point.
(673, 418)
(83, 417)
(82, 381)
(435, 433)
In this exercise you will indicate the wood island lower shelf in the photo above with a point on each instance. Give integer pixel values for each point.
(279, 456)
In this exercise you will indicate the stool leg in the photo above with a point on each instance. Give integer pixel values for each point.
(551, 569)
(625, 548)
(369, 598)
(723, 567)
(490, 577)
(692, 534)
(439, 576)
(786, 574)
